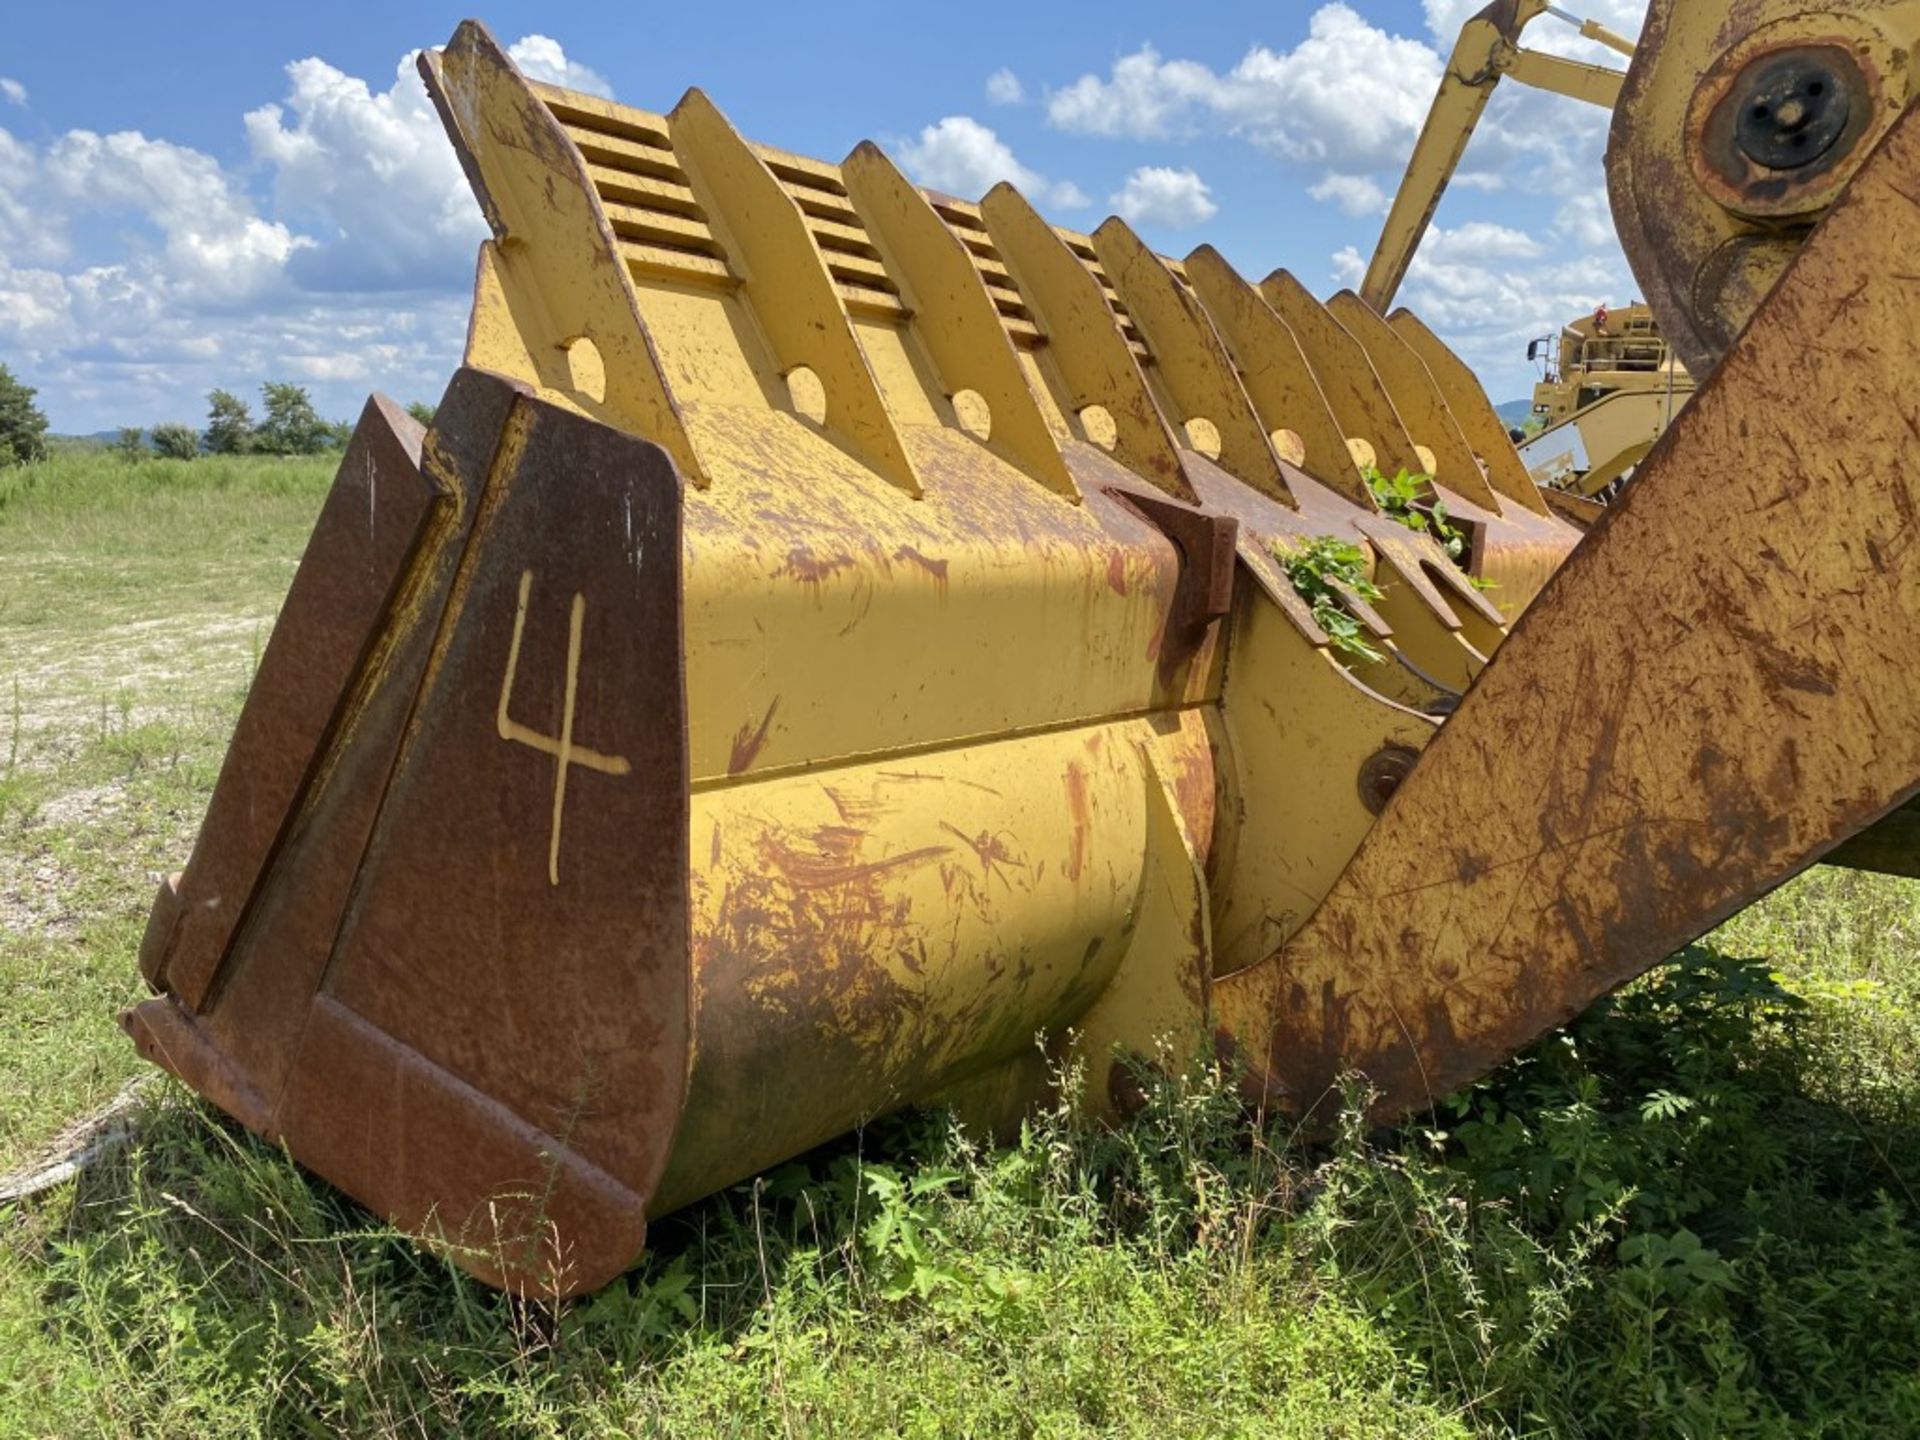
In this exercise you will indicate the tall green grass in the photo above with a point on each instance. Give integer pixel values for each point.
(134, 601)
(90, 538)
(98, 485)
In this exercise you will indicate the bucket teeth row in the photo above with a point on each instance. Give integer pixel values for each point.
(1056, 339)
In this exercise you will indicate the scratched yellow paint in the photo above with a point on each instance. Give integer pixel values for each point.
(899, 926)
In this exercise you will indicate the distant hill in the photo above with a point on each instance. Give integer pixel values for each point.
(1514, 412)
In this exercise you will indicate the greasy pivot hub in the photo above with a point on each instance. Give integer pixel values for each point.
(1791, 112)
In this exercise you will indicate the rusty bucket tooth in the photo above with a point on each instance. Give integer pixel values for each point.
(833, 632)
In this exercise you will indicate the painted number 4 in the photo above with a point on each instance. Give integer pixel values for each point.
(565, 753)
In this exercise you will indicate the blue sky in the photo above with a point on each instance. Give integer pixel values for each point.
(199, 194)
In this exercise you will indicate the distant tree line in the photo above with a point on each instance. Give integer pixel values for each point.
(288, 425)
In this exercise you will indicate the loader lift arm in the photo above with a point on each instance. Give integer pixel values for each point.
(1488, 49)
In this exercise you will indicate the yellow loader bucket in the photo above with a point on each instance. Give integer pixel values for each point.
(833, 632)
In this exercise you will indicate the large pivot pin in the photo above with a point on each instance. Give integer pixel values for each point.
(1791, 113)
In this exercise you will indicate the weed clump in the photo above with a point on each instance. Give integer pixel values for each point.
(1409, 499)
(1327, 572)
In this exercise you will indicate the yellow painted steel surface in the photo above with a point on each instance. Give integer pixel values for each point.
(1608, 395)
(906, 314)
(1599, 444)
(898, 928)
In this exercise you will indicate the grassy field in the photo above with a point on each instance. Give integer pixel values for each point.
(1693, 1214)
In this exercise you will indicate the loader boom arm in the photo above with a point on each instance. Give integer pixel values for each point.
(1488, 50)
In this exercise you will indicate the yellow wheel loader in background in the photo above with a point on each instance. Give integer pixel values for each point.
(1611, 388)
(832, 633)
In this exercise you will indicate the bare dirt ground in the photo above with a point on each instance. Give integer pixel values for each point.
(72, 693)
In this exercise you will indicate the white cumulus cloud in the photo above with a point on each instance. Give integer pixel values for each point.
(372, 173)
(1342, 107)
(34, 304)
(1586, 219)
(1143, 98)
(1004, 88)
(215, 249)
(32, 227)
(1350, 96)
(1488, 289)
(13, 90)
(1354, 194)
(543, 59)
(137, 273)
(965, 158)
(1161, 195)
(1480, 240)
